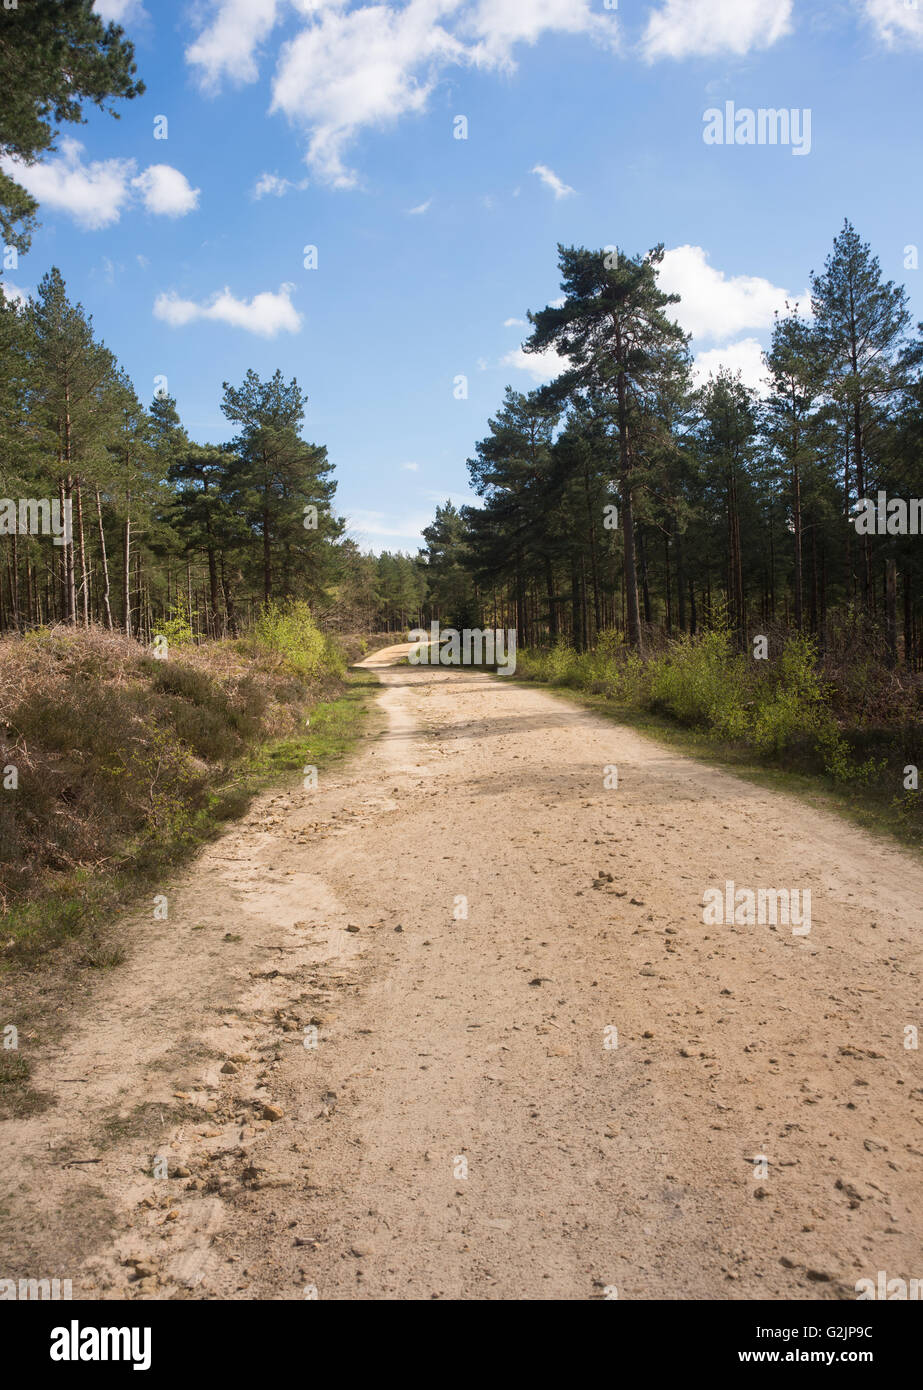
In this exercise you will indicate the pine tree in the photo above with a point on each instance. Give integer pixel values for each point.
(797, 368)
(71, 372)
(55, 55)
(861, 322)
(277, 475)
(613, 329)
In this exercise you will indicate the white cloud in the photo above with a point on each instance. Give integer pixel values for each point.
(272, 184)
(227, 46)
(93, 194)
(895, 21)
(12, 293)
(266, 314)
(96, 194)
(348, 70)
(745, 357)
(541, 366)
(716, 306)
(411, 467)
(549, 178)
(363, 68)
(166, 191)
(515, 323)
(682, 28)
(420, 209)
(142, 261)
(120, 11)
(498, 25)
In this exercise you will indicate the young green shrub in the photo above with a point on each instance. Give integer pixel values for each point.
(703, 683)
(288, 631)
(177, 629)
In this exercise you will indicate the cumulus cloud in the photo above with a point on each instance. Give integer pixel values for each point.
(498, 25)
(541, 366)
(716, 306)
(166, 191)
(363, 68)
(12, 293)
(684, 28)
(227, 46)
(745, 357)
(549, 178)
(347, 70)
(272, 185)
(266, 314)
(95, 194)
(895, 22)
(120, 11)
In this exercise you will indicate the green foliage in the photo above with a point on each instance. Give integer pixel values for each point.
(702, 683)
(53, 58)
(177, 629)
(777, 708)
(288, 630)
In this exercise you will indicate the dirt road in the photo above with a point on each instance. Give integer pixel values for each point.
(440, 913)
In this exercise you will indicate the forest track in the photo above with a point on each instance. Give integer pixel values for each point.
(465, 1127)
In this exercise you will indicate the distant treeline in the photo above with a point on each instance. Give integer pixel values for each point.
(162, 528)
(626, 496)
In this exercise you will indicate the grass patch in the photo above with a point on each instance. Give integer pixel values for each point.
(17, 1095)
(149, 1120)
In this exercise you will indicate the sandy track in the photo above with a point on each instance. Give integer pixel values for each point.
(462, 1130)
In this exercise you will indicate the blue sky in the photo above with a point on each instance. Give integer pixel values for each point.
(294, 123)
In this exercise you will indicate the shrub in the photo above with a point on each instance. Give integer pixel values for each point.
(775, 707)
(117, 753)
(177, 629)
(289, 631)
(702, 683)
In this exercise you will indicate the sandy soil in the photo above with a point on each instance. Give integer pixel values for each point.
(464, 1127)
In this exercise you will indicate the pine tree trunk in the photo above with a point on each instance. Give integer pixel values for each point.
(796, 523)
(107, 611)
(126, 569)
(267, 559)
(632, 613)
(549, 589)
(645, 588)
(85, 588)
(13, 570)
(891, 609)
